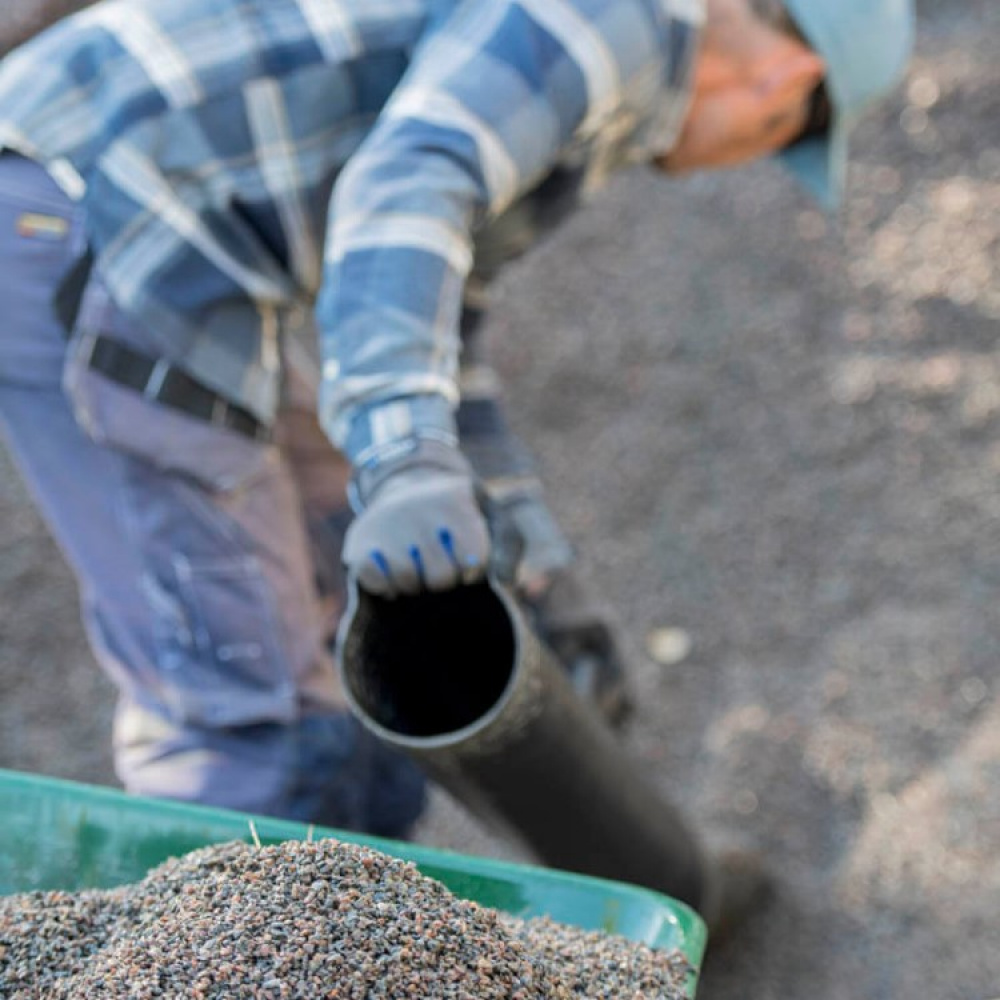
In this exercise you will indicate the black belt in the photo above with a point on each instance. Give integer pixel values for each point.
(161, 381)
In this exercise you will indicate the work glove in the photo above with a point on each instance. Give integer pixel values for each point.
(418, 525)
(532, 556)
(568, 619)
(528, 544)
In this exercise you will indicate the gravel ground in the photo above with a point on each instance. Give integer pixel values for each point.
(790, 426)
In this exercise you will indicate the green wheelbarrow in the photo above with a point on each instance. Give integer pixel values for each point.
(63, 835)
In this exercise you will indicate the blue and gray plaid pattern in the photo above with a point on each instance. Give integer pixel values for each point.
(336, 154)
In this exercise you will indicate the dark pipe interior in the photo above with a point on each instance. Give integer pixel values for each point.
(431, 664)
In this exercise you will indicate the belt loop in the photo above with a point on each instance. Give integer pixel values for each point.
(156, 378)
(219, 410)
(87, 346)
(270, 327)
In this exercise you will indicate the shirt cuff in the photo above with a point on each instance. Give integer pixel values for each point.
(383, 430)
(662, 130)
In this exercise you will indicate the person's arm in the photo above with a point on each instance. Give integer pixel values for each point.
(492, 100)
(23, 19)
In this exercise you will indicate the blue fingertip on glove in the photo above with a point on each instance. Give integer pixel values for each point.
(378, 557)
(418, 564)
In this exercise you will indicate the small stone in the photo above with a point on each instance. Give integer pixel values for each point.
(923, 91)
(974, 691)
(669, 646)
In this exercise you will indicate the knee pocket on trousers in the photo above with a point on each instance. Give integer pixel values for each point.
(220, 662)
(215, 620)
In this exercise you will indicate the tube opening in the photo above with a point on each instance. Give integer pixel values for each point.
(432, 664)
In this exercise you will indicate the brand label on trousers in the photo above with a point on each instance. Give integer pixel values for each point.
(47, 227)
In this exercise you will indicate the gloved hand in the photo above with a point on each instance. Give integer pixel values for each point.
(569, 621)
(418, 525)
(533, 557)
(528, 544)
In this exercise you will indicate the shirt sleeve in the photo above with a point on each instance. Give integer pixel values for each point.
(494, 97)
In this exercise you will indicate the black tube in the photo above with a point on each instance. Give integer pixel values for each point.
(457, 680)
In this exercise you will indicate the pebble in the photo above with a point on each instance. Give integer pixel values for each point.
(320, 920)
(669, 646)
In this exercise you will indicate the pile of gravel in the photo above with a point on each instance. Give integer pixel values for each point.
(322, 920)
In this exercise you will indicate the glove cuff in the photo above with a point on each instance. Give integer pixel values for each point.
(379, 431)
(402, 456)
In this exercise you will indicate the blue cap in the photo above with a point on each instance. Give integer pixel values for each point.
(866, 45)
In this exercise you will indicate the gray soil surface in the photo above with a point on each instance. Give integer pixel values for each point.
(778, 433)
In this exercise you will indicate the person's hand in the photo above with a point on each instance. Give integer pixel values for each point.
(533, 557)
(570, 622)
(418, 525)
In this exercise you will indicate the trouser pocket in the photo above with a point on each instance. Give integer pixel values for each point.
(215, 521)
(234, 625)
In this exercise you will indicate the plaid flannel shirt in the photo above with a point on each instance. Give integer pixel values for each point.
(337, 154)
